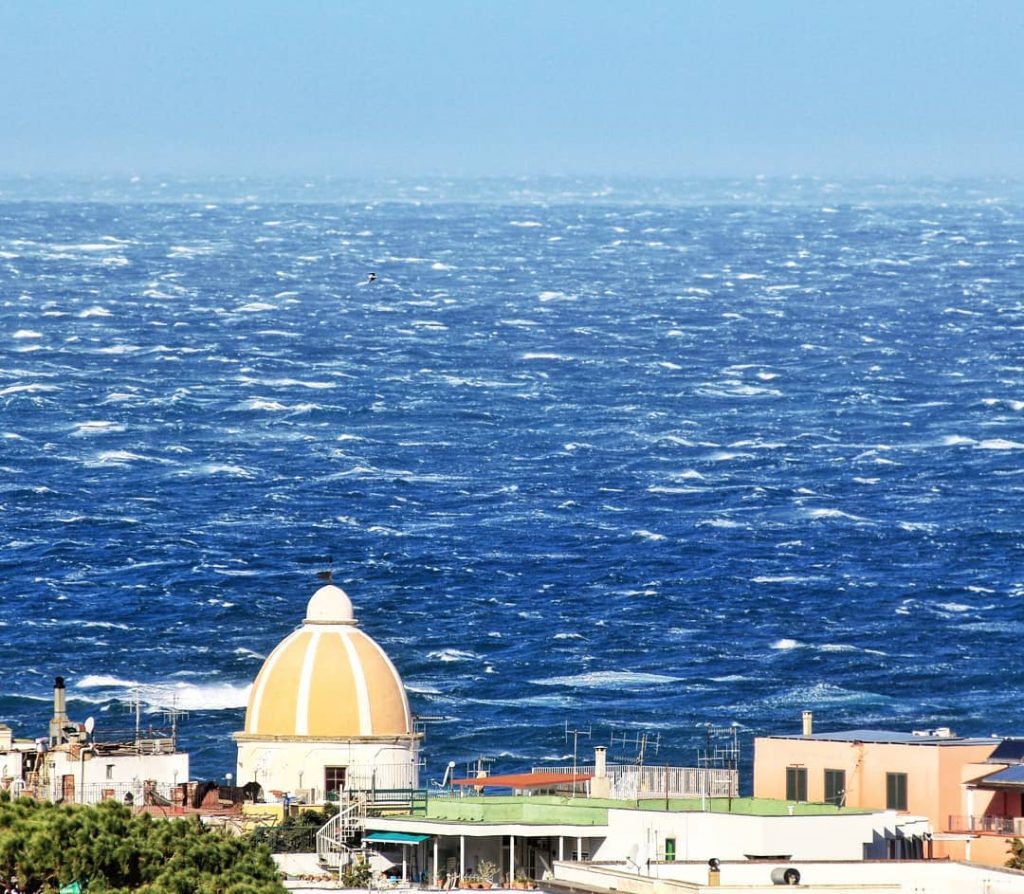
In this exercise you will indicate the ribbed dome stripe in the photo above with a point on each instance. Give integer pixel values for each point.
(398, 681)
(266, 672)
(362, 691)
(305, 683)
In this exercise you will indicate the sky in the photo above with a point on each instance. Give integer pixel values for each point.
(665, 88)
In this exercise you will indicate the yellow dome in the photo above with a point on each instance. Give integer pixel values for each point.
(328, 679)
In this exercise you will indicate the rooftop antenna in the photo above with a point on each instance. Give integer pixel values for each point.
(136, 704)
(420, 721)
(640, 742)
(480, 767)
(575, 733)
(722, 751)
(171, 715)
(721, 746)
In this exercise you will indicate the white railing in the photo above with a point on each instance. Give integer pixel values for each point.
(134, 793)
(362, 777)
(628, 781)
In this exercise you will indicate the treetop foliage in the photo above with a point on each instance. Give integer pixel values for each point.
(44, 846)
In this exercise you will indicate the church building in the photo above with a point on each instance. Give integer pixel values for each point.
(327, 713)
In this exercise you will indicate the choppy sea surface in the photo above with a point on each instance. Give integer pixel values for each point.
(630, 456)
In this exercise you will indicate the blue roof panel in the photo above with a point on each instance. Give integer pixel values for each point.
(1010, 776)
(888, 737)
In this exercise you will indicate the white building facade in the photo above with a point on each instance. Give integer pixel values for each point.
(70, 766)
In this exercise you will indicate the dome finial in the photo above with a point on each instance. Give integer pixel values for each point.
(329, 605)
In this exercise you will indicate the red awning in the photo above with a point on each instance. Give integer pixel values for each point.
(524, 780)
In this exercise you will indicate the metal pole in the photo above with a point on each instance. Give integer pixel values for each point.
(81, 772)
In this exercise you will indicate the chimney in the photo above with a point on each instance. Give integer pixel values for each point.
(808, 723)
(600, 784)
(60, 712)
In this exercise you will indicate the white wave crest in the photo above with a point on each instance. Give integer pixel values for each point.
(34, 388)
(450, 655)
(184, 695)
(259, 403)
(97, 427)
(116, 458)
(835, 514)
(608, 679)
(648, 535)
(719, 523)
(220, 469)
(822, 694)
(999, 444)
(101, 681)
(119, 349)
(544, 355)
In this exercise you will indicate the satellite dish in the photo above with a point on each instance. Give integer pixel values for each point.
(90, 725)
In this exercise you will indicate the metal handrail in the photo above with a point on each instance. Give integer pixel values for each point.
(630, 780)
(1000, 825)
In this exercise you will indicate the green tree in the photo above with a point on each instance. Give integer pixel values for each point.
(109, 851)
(357, 874)
(1016, 852)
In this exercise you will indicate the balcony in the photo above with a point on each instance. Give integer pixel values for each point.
(991, 825)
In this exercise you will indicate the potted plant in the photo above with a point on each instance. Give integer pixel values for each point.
(485, 871)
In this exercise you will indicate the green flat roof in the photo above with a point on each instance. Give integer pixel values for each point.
(561, 810)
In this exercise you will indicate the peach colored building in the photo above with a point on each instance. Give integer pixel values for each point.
(970, 793)
(993, 803)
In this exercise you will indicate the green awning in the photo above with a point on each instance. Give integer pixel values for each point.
(394, 838)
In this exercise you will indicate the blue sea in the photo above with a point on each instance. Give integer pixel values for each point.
(630, 457)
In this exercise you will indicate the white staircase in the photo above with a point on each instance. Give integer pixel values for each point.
(333, 839)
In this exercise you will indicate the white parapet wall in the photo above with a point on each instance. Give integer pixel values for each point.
(642, 835)
(835, 877)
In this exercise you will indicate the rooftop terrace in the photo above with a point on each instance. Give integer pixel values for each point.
(888, 737)
(562, 810)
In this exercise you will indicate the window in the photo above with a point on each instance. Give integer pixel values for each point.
(110, 771)
(334, 782)
(835, 787)
(670, 849)
(896, 791)
(796, 783)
